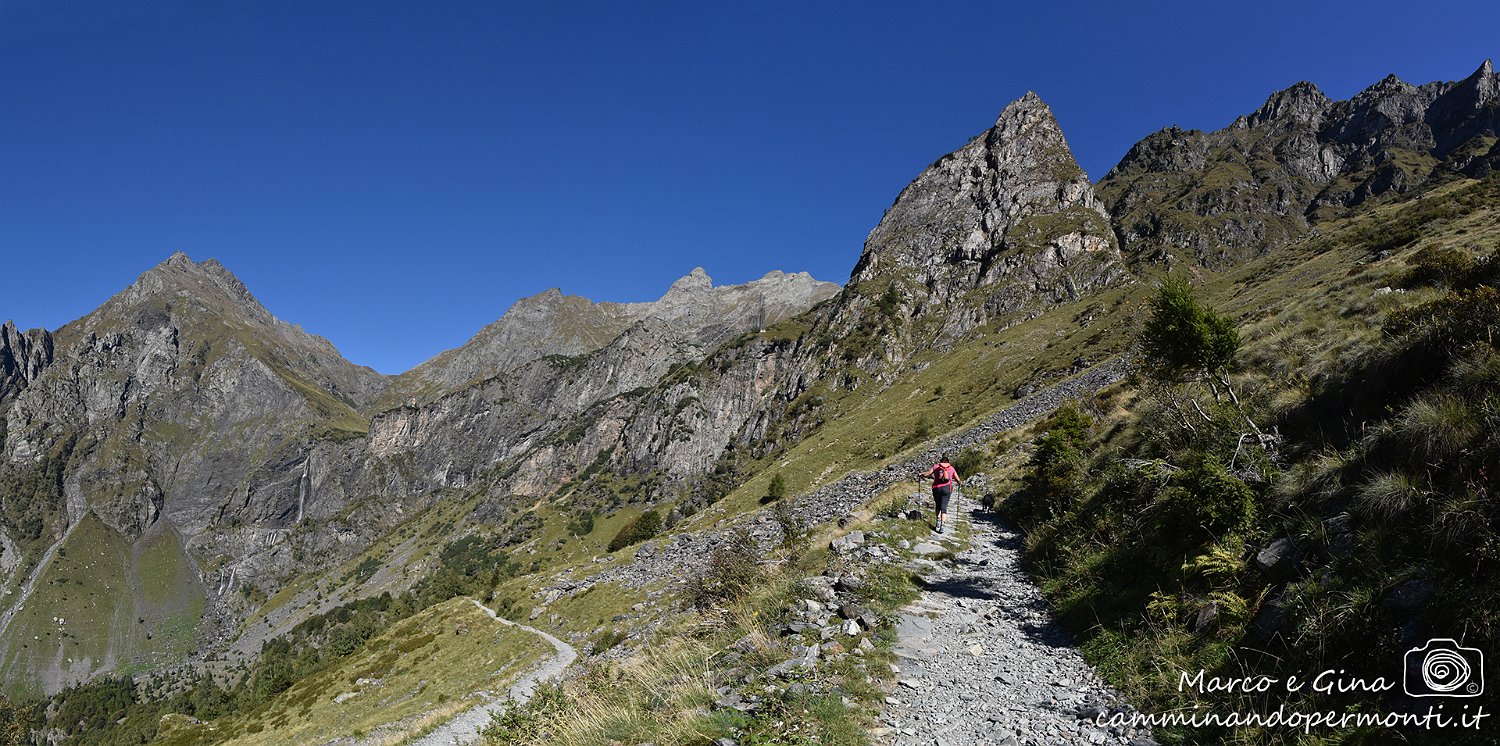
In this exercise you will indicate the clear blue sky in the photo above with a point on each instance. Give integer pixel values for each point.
(393, 175)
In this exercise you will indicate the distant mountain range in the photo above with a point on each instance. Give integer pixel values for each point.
(219, 455)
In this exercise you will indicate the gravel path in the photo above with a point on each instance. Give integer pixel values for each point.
(465, 728)
(981, 661)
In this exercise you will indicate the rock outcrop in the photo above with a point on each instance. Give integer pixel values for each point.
(1220, 197)
(1007, 224)
(23, 355)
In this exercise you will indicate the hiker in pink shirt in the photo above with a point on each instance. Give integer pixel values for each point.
(944, 477)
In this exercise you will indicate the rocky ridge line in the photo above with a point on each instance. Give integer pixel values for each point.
(1224, 196)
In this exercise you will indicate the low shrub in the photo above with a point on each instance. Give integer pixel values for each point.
(644, 527)
(733, 571)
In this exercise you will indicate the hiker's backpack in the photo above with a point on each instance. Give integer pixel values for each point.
(946, 473)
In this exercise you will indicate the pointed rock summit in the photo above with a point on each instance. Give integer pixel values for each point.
(209, 282)
(1302, 103)
(23, 355)
(697, 280)
(1485, 84)
(1010, 215)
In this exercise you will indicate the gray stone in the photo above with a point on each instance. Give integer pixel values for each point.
(848, 542)
(1279, 559)
(1409, 596)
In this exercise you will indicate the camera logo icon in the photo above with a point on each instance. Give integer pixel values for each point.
(1442, 668)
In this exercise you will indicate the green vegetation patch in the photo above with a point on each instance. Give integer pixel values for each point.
(103, 604)
(420, 671)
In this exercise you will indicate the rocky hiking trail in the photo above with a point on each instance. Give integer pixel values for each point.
(466, 727)
(980, 659)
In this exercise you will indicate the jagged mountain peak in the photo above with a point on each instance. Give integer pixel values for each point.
(546, 299)
(553, 323)
(1388, 86)
(1301, 102)
(695, 281)
(1011, 212)
(208, 281)
(23, 355)
(181, 304)
(1481, 88)
(1028, 127)
(1027, 105)
(1234, 193)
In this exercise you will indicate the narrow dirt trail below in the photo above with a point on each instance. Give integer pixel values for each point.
(466, 727)
(981, 661)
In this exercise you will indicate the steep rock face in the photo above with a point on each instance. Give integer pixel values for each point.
(449, 441)
(23, 355)
(1005, 223)
(693, 311)
(1220, 197)
(178, 405)
(522, 399)
(175, 391)
(681, 426)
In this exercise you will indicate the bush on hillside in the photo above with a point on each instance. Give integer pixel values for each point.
(1203, 503)
(582, 523)
(969, 461)
(645, 526)
(1053, 477)
(1452, 323)
(733, 571)
(1184, 339)
(1437, 265)
(777, 489)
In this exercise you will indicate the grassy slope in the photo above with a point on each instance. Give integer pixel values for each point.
(124, 607)
(408, 553)
(867, 428)
(1307, 312)
(408, 678)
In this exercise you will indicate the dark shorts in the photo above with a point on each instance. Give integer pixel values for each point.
(940, 495)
